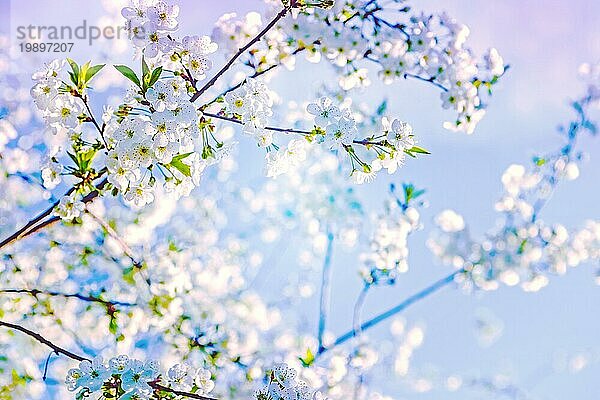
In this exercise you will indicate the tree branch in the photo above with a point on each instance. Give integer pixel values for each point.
(434, 287)
(325, 290)
(41, 339)
(240, 51)
(35, 225)
(90, 298)
(270, 128)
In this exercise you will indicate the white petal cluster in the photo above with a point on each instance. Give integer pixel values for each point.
(61, 111)
(132, 379)
(339, 124)
(149, 23)
(284, 385)
(252, 102)
(388, 249)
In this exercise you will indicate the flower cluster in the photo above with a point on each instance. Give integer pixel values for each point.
(163, 140)
(388, 253)
(283, 385)
(252, 103)
(126, 378)
(62, 112)
(150, 23)
(428, 47)
(525, 249)
(338, 125)
(386, 149)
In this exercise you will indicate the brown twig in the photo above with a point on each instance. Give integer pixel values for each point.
(112, 233)
(43, 340)
(35, 225)
(90, 298)
(240, 51)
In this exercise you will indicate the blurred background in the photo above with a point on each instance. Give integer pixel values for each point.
(546, 342)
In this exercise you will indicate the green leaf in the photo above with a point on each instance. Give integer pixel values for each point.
(93, 71)
(112, 325)
(145, 69)
(416, 149)
(75, 159)
(539, 161)
(129, 74)
(382, 107)
(155, 76)
(410, 193)
(181, 167)
(128, 275)
(308, 359)
(73, 78)
(74, 66)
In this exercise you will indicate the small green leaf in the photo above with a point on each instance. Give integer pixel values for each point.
(539, 161)
(416, 149)
(181, 167)
(129, 74)
(308, 359)
(74, 66)
(93, 71)
(145, 69)
(73, 78)
(155, 75)
(382, 107)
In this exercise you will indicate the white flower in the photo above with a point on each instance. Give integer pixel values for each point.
(69, 207)
(50, 71)
(450, 221)
(63, 115)
(138, 375)
(324, 111)
(162, 96)
(140, 193)
(51, 175)
(285, 375)
(236, 101)
(198, 65)
(264, 138)
(91, 375)
(340, 132)
(180, 377)
(201, 45)
(140, 151)
(184, 113)
(203, 381)
(119, 364)
(360, 177)
(165, 16)
(164, 149)
(390, 161)
(399, 134)
(44, 92)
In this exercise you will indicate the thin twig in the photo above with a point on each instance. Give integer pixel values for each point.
(112, 233)
(35, 225)
(258, 73)
(358, 306)
(240, 51)
(437, 285)
(44, 341)
(270, 128)
(325, 290)
(90, 298)
(157, 386)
